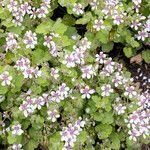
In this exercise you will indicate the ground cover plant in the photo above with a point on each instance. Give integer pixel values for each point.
(63, 85)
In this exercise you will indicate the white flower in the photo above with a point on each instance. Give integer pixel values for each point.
(78, 9)
(100, 57)
(53, 115)
(30, 39)
(87, 92)
(88, 71)
(85, 44)
(42, 11)
(22, 63)
(119, 109)
(94, 4)
(54, 73)
(142, 35)
(118, 19)
(17, 147)
(39, 102)
(98, 24)
(28, 73)
(37, 72)
(130, 91)
(106, 90)
(6, 79)
(16, 129)
(12, 6)
(69, 61)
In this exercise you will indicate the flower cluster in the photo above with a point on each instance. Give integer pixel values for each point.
(138, 124)
(69, 134)
(20, 10)
(62, 93)
(11, 42)
(23, 64)
(53, 49)
(30, 39)
(79, 53)
(30, 104)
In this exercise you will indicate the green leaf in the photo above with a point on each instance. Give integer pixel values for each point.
(4, 13)
(11, 139)
(115, 141)
(128, 51)
(31, 145)
(98, 116)
(14, 139)
(97, 100)
(59, 27)
(104, 130)
(85, 19)
(107, 47)
(18, 82)
(102, 36)
(108, 118)
(82, 137)
(146, 56)
(44, 27)
(40, 56)
(3, 89)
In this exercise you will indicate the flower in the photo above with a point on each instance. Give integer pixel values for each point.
(87, 92)
(30, 39)
(94, 4)
(6, 79)
(33, 13)
(39, 102)
(78, 9)
(69, 134)
(28, 73)
(64, 90)
(48, 41)
(120, 109)
(17, 147)
(142, 35)
(11, 42)
(22, 64)
(37, 72)
(118, 79)
(118, 19)
(54, 73)
(16, 129)
(25, 8)
(98, 24)
(53, 115)
(135, 24)
(85, 44)
(55, 96)
(106, 90)
(12, 6)
(130, 91)
(100, 57)
(88, 71)
(69, 61)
